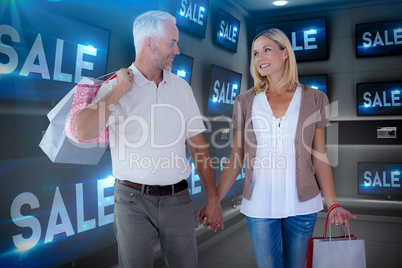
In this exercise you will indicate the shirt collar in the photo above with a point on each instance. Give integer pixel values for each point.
(140, 80)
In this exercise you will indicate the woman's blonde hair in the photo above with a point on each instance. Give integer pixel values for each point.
(290, 77)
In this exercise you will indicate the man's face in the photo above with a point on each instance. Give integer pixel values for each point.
(166, 47)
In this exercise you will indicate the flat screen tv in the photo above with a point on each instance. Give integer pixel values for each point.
(183, 66)
(379, 38)
(192, 16)
(379, 98)
(223, 90)
(315, 81)
(382, 180)
(227, 32)
(308, 37)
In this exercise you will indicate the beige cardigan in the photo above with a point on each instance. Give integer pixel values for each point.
(314, 113)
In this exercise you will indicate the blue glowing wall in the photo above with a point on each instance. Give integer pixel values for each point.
(308, 37)
(380, 179)
(379, 98)
(55, 212)
(43, 55)
(224, 88)
(380, 38)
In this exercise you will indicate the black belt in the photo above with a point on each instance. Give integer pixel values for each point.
(156, 189)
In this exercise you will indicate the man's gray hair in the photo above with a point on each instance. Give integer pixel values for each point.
(149, 24)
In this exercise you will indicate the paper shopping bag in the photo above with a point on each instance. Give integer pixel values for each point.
(339, 253)
(333, 252)
(57, 146)
(309, 263)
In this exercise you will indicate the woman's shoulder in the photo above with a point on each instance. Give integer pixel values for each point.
(307, 90)
(247, 95)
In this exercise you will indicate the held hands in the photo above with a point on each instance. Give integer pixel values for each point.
(339, 216)
(125, 79)
(210, 215)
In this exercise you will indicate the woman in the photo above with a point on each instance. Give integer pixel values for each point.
(279, 136)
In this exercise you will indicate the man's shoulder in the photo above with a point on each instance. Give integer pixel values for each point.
(178, 81)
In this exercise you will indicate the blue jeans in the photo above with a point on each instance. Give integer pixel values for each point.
(281, 242)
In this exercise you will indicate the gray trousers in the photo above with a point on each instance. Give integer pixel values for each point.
(140, 219)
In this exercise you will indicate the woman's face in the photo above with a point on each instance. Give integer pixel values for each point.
(269, 59)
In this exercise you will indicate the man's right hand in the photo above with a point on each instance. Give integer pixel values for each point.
(125, 79)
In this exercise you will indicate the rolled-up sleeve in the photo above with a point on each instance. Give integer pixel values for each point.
(324, 111)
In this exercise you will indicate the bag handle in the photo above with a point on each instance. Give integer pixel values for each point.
(114, 75)
(334, 206)
(106, 75)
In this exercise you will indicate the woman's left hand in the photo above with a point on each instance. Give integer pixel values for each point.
(340, 217)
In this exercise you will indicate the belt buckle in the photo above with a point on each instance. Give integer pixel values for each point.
(148, 189)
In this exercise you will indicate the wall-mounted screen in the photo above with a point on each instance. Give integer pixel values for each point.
(380, 179)
(379, 38)
(379, 98)
(192, 16)
(227, 34)
(308, 37)
(41, 62)
(223, 90)
(315, 81)
(183, 66)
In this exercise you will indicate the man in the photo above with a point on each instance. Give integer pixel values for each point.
(151, 113)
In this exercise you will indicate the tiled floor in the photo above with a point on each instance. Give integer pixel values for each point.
(232, 251)
(231, 248)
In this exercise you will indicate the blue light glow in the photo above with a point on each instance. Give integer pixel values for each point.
(235, 86)
(181, 73)
(91, 48)
(202, 9)
(314, 87)
(181, 13)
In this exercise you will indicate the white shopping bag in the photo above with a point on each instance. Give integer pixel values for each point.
(339, 252)
(57, 146)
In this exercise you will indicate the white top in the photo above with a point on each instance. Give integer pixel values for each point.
(274, 192)
(148, 129)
